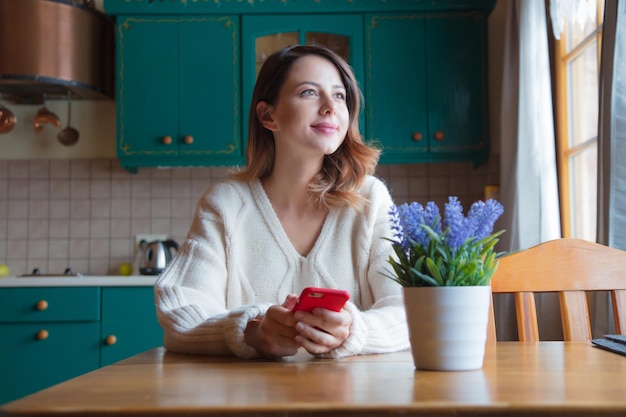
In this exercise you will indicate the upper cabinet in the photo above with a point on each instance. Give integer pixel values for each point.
(427, 101)
(178, 91)
(184, 85)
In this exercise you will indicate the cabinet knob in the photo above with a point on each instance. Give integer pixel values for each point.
(417, 136)
(166, 140)
(188, 139)
(439, 135)
(42, 334)
(110, 340)
(41, 305)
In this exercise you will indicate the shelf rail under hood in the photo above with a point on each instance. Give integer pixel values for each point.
(54, 48)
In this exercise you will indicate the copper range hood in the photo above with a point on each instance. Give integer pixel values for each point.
(54, 48)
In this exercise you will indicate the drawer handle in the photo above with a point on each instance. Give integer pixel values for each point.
(166, 140)
(188, 139)
(417, 136)
(41, 305)
(42, 334)
(110, 340)
(439, 135)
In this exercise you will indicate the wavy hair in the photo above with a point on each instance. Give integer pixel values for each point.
(342, 172)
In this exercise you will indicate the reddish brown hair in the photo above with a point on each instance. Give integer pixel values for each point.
(343, 171)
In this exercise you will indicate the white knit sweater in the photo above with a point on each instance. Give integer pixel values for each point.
(237, 261)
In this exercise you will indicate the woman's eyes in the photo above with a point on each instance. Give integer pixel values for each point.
(311, 92)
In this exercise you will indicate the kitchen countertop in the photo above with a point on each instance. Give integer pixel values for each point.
(84, 281)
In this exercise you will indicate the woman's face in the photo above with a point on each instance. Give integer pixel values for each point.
(311, 115)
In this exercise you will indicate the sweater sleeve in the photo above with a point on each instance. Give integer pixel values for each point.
(191, 295)
(379, 323)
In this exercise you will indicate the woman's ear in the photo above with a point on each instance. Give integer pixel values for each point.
(263, 113)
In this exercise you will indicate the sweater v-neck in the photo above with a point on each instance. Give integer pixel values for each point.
(269, 214)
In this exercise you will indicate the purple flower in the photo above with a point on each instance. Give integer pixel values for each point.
(407, 221)
(458, 226)
(455, 250)
(455, 229)
(483, 216)
(431, 216)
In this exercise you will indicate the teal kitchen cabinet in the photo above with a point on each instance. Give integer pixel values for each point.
(178, 91)
(264, 34)
(426, 86)
(422, 67)
(48, 335)
(52, 334)
(129, 323)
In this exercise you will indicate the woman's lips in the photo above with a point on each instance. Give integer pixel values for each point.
(327, 128)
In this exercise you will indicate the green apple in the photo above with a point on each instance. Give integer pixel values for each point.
(4, 270)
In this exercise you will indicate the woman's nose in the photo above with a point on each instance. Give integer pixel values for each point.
(328, 106)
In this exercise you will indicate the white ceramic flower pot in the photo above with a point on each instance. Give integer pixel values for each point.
(447, 326)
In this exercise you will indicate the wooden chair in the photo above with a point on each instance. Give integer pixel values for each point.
(570, 267)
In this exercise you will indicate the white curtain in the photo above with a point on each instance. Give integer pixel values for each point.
(576, 12)
(528, 183)
(611, 226)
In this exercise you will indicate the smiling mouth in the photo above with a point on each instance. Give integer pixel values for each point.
(326, 127)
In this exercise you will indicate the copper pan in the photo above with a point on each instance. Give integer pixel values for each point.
(7, 119)
(45, 116)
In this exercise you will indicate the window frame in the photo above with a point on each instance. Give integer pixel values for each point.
(562, 111)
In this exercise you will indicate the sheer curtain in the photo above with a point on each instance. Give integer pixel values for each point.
(528, 183)
(611, 226)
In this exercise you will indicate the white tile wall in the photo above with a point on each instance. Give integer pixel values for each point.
(84, 214)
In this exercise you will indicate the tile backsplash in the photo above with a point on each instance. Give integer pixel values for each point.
(85, 213)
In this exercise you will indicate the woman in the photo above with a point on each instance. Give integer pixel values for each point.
(306, 211)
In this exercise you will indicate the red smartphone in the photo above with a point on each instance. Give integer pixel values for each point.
(312, 297)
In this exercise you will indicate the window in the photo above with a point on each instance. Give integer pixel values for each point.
(577, 64)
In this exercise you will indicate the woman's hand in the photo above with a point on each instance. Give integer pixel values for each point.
(273, 336)
(322, 330)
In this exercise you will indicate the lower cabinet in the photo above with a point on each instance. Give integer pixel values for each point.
(49, 335)
(34, 356)
(129, 323)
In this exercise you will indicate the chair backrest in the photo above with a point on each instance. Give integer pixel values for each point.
(569, 267)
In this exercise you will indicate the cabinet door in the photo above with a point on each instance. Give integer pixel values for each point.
(178, 91)
(34, 356)
(397, 96)
(209, 90)
(264, 34)
(129, 323)
(123, 339)
(49, 304)
(147, 87)
(426, 96)
(457, 83)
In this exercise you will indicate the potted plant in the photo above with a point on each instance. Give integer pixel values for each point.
(445, 265)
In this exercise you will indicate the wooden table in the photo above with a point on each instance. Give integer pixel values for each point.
(547, 378)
